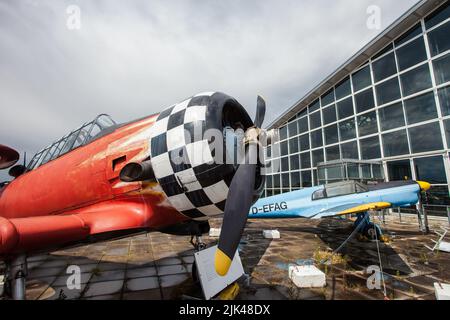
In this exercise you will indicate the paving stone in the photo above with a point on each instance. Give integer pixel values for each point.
(103, 288)
(173, 280)
(108, 276)
(45, 272)
(168, 262)
(141, 272)
(175, 269)
(139, 284)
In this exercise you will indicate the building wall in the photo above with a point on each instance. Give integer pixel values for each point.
(395, 108)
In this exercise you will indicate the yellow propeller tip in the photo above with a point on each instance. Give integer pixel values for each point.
(222, 263)
(424, 186)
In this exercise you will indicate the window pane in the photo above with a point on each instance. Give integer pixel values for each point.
(283, 133)
(284, 148)
(399, 170)
(364, 101)
(442, 69)
(411, 33)
(328, 98)
(416, 80)
(295, 180)
(350, 150)
(395, 143)
(447, 131)
(333, 153)
(293, 129)
(295, 162)
(425, 138)
(370, 148)
(316, 139)
(277, 181)
(304, 142)
(345, 108)
(314, 106)
(444, 99)
(347, 130)
(421, 108)
(329, 115)
(431, 170)
(302, 113)
(285, 180)
(439, 39)
(305, 160)
(303, 125)
(331, 134)
(284, 164)
(293, 145)
(392, 117)
(388, 91)
(385, 67)
(438, 16)
(361, 79)
(315, 121)
(411, 54)
(269, 182)
(343, 89)
(367, 124)
(317, 157)
(306, 179)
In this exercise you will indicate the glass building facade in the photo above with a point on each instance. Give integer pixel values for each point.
(395, 108)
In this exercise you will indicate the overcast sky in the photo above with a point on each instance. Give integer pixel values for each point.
(133, 58)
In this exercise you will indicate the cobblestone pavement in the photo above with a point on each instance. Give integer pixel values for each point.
(158, 266)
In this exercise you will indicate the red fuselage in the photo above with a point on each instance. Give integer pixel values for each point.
(80, 195)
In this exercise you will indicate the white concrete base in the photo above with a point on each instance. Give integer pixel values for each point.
(444, 247)
(215, 233)
(271, 234)
(442, 291)
(307, 277)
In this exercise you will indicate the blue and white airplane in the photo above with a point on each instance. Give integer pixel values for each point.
(339, 199)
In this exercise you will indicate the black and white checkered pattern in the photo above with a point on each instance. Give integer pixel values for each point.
(183, 162)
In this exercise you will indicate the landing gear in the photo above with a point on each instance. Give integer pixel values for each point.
(199, 245)
(16, 273)
(367, 228)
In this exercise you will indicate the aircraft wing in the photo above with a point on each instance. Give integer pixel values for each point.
(352, 208)
(21, 234)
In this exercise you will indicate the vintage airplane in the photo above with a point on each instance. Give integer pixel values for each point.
(106, 180)
(340, 199)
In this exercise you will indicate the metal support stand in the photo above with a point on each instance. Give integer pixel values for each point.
(448, 214)
(423, 223)
(17, 275)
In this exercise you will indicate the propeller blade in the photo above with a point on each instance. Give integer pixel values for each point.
(260, 112)
(239, 201)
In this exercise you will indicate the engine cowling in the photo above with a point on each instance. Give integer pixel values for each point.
(189, 153)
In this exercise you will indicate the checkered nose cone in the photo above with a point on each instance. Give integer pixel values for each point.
(183, 158)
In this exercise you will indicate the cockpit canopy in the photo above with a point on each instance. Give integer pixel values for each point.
(339, 189)
(75, 139)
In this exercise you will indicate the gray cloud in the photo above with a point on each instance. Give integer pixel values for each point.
(134, 58)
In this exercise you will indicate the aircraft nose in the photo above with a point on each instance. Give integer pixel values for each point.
(424, 186)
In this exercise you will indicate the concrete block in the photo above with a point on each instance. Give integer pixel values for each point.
(442, 291)
(444, 246)
(214, 233)
(307, 277)
(271, 234)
